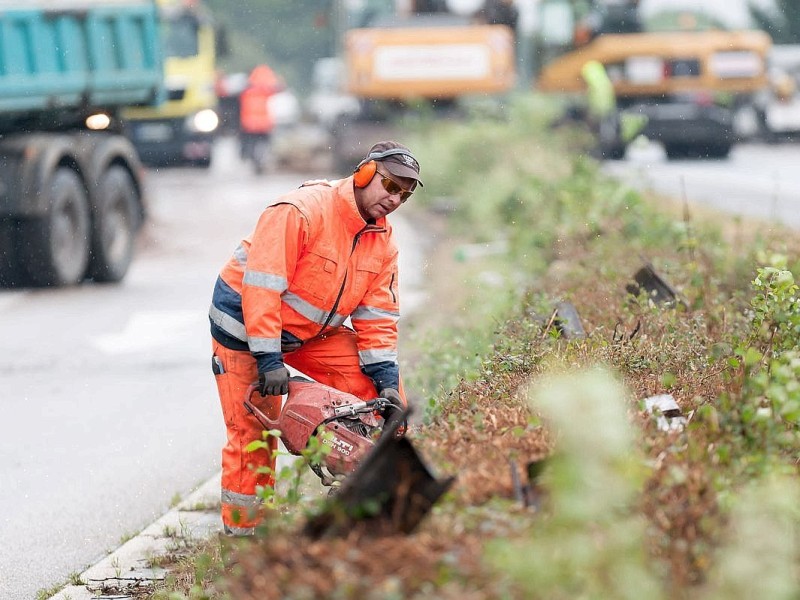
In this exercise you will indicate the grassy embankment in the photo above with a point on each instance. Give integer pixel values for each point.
(518, 221)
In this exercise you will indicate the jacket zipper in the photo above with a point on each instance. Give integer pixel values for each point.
(329, 318)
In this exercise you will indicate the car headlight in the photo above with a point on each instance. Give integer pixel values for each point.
(98, 121)
(204, 121)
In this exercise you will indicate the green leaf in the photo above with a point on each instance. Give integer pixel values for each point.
(752, 357)
(256, 445)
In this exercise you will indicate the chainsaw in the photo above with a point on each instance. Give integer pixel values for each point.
(349, 426)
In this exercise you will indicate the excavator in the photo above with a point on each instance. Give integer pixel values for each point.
(679, 69)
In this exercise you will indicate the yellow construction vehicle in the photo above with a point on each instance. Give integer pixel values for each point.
(677, 70)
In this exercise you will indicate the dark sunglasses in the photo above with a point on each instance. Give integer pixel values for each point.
(392, 187)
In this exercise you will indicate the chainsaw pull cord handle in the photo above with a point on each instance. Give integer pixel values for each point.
(396, 420)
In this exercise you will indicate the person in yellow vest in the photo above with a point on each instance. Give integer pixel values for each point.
(614, 129)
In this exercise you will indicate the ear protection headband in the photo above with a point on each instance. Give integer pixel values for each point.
(366, 169)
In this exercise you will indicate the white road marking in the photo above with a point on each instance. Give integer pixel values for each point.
(150, 329)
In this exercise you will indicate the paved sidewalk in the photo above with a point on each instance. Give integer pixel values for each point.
(195, 518)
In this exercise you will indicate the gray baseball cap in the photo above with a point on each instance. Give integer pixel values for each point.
(397, 159)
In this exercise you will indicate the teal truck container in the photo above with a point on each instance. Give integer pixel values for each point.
(72, 194)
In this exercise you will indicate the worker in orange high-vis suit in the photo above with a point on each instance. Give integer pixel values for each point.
(255, 119)
(319, 255)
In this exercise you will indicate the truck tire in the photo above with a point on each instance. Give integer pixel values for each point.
(677, 151)
(203, 162)
(114, 226)
(55, 248)
(719, 150)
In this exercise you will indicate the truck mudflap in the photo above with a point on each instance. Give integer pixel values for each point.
(29, 161)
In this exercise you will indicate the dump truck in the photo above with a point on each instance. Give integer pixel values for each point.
(394, 59)
(681, 70)
(181, 130)
(72, 194)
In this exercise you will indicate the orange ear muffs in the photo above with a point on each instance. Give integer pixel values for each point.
(364, 173)
(367, 168)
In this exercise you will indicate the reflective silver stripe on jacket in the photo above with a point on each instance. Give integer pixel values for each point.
(261, 344)
(369, 357)
(370, 313)
(311, 312)
(236, 499)
(337, 320)
(240, 254)
(239, 531)
(227, 323)
(267, 281)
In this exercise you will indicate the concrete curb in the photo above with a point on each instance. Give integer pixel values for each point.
(193, 519)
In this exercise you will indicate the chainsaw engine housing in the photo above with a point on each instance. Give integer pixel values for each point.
(346, 424)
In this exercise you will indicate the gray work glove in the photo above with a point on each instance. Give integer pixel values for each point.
(274, 383)
(394, 411)
(393, 396)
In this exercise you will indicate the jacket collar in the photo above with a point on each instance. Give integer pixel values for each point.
(348, 211)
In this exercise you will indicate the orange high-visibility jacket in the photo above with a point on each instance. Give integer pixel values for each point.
(311, 263)
(254, 113)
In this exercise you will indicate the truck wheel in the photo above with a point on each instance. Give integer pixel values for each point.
(201, 163)
(718, 150)
(677, 151)
(56, 247)
(114, 229)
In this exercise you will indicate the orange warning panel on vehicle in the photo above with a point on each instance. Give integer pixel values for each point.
(429, 62)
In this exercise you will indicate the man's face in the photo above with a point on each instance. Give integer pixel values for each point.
(384, 194)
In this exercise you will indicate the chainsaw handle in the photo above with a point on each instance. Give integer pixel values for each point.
(395, 418)
(262, 418)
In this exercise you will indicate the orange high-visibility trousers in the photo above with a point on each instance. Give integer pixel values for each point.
(234, 371)
(331, 360)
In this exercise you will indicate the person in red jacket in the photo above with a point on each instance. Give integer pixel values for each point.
(320, 255)
(255, 119)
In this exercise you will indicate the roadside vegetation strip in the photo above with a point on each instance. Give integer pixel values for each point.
(725, 354)
(621, 506)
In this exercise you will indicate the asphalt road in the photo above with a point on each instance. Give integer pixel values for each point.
(757, 180)
(109, 405)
